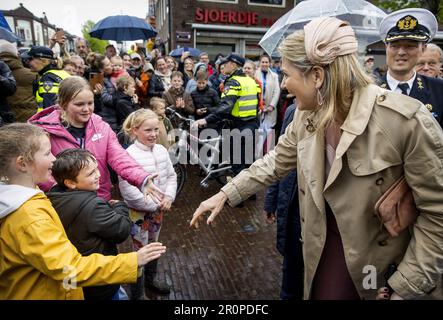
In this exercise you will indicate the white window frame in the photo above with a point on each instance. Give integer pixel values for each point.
(283, 5)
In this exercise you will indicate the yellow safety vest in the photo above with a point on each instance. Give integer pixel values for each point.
(247, 103)
(62, 74)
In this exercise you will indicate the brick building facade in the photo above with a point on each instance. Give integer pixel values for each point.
(218, 26)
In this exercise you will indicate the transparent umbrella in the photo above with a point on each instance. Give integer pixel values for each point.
(363, 16)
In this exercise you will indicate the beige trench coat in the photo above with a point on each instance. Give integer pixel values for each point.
(384, 134)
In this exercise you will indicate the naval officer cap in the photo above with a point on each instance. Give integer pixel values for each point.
(409, 24)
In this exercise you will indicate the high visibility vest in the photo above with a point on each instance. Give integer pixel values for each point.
(62, 74)
(247, 102)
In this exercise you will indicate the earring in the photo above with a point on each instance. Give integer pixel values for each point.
(319, 98)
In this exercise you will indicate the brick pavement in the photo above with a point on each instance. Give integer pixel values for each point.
(235, 258)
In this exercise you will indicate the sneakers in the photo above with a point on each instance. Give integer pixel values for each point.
(158, 286)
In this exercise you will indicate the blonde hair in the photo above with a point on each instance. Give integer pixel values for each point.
(156, 102)
(18, 139)
(69, 89)
(124, 82)
(136, 119)
(342, 78)
(115, 58)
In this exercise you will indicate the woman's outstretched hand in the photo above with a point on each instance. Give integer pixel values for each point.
(212, 205)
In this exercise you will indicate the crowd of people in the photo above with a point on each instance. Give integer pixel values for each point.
(76, 127)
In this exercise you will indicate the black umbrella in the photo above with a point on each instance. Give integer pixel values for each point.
(122, 28)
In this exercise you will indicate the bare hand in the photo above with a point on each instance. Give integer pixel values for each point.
(383, 294)
(138, 83)
(180, 103)
(166, 203)
(113, 202)
(199, 124)
(152, 191)
(150, 252)
(270, 217)
(184, 56)
(135, 98)
(212, 205)
(98, 89)
(201, 111)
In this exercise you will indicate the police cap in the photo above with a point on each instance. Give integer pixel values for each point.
(409, 24)
(39, 52)
(233, 58)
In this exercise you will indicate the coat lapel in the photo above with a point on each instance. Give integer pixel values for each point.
(354, 125)
(418, 90)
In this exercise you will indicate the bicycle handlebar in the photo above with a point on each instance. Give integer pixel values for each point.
(175, 113)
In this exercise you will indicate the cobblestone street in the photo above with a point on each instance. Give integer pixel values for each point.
(235, 258)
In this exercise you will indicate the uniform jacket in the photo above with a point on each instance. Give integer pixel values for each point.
(93, 226)
(154, 160)
(227, 103)
(47, 80)
(428, 91)
(22, 102)
(384, 136)
(37, 258)
(100, 140)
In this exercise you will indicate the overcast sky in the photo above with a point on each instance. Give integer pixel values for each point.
(71, 14)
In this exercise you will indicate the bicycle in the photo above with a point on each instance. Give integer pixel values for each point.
(212, 169)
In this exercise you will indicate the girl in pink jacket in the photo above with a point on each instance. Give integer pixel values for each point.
(72, 124)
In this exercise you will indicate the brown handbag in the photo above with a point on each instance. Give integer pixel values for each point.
(396, 208)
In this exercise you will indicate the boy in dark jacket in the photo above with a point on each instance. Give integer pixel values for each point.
(204, 97)
(91, 224)
(126, 101)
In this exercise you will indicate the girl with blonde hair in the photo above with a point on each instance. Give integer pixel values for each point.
(73, 124)
(147, 216)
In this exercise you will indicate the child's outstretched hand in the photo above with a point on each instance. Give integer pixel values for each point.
(150, 252)
(166, 203)
(151, 190)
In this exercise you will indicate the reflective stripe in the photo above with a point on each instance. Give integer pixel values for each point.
(247, 103)
(250, 97)
(62, 74)
(247, 108)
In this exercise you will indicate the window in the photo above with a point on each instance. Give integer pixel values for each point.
(226, 1)
(268, 3)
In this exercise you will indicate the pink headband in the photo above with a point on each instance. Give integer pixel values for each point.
(327, 38)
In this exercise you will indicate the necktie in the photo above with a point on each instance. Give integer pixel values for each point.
(404, 87)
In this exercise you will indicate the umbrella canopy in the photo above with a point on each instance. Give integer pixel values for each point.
(122, 28)
(8, 35)
(363, 16)
(193, 52)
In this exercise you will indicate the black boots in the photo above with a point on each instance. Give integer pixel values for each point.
(152, 282)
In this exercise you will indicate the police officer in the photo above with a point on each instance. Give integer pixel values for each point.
(41, 60)
(406, 33)
(238, 103)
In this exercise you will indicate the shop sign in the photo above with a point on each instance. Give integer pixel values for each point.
(231, 17)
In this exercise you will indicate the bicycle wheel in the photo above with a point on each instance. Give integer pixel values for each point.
(180, 170)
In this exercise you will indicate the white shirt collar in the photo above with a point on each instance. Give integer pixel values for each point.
(393, 83)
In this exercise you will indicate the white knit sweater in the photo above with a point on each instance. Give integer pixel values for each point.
(153, 160)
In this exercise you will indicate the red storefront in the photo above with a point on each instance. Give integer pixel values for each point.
(219, 26)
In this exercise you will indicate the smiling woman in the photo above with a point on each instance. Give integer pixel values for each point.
(72, 124)
(347, 154)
